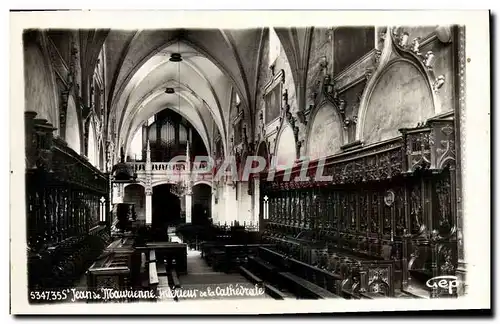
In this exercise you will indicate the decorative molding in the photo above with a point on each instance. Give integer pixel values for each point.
(401, 43)
(353, 69)
(60, 66)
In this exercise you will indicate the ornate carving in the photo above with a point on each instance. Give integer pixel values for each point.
(443, 192)
(447, 267)
(416, 209)
(401, 43)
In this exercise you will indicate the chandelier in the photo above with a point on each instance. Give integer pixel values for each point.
(182, 186)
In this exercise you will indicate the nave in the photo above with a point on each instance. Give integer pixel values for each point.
(358, 197)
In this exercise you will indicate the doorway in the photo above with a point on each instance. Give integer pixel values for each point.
(166, 208)
(202, 204)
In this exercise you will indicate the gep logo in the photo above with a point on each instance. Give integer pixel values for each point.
(444, 282)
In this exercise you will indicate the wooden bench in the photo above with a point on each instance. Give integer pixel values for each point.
(175, 254)
(152, 256)
(250, 276)
(275, 292)
(264, 269)
(271, 256)
(153, 277)
(175, 279)
(305, 288)
(322, 278)
(161, 268)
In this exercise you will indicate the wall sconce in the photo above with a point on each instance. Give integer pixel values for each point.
(404, 39)
(439, 82)
(429, 59)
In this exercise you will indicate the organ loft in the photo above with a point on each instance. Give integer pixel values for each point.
(355, 191)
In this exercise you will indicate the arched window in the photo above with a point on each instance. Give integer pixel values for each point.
(274, 46)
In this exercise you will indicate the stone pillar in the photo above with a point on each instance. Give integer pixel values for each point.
(148, 190)
(188, 199)
(256, 201)
(244, 201)
(230, 204)
(215, 217)
(149, 206)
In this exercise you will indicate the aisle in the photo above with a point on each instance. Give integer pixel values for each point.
(215, 285)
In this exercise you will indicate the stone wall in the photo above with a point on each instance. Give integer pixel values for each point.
(401, 98)
(265, 76)
(325, 135)
(39, 88)
(402, 93)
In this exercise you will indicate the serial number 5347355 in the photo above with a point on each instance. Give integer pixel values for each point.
(49, 295)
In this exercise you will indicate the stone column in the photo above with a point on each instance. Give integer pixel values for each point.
(148, 190)
(188, 199)
(230, 204)
(213, 210)
(149, 206)
(256, 201)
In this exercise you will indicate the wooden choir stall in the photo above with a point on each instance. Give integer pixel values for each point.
(66, 209)
(382, 226)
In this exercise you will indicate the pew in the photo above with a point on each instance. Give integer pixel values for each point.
(250, 276)
(175, 279)
(229, 257)
(301, 278)
(172, 253)
(153, 275)
(152, 256)
(274, 292)
(302, 287)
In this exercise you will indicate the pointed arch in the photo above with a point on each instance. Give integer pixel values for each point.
(285, 150)
(325, 134)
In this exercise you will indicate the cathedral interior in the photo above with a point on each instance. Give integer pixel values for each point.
(109, 203)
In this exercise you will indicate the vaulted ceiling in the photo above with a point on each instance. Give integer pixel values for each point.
(215, 63)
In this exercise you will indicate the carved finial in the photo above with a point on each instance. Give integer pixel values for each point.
(416, 46)
(438, 83)
(122, 155)
(429, 59)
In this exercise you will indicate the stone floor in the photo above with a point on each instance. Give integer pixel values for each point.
(203, 282)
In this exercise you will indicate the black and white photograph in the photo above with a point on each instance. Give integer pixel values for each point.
(206, 162)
